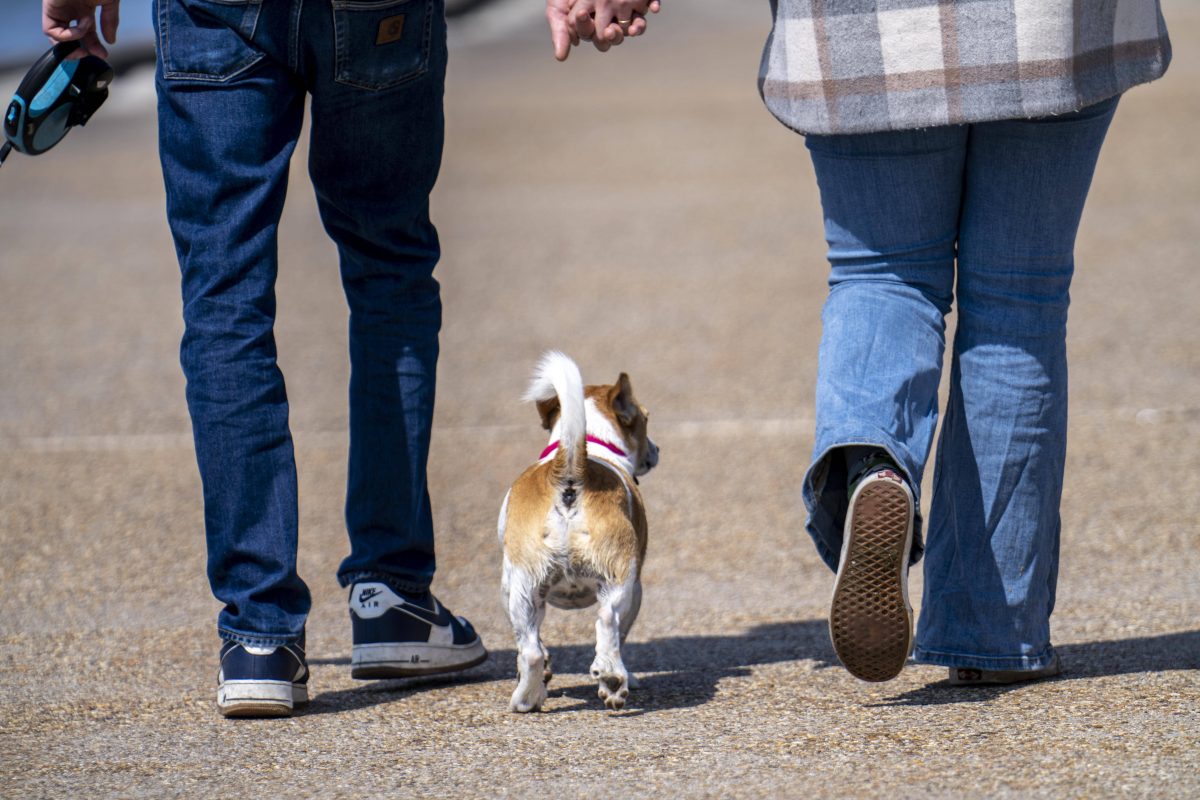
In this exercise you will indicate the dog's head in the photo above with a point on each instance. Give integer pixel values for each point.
(618, 404)
(625, 415)
(621, 413)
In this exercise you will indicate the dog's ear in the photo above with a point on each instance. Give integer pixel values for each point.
(549, 411)
(621, 401)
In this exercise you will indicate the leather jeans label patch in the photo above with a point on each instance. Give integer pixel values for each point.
(390, 30)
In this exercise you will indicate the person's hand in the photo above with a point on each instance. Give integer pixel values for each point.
(57, 16)
(604, 23)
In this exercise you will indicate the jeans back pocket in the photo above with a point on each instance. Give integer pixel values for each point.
(206, 40)
(381, 43)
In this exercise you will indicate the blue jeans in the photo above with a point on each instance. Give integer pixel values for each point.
(232, 81)
(986, 213)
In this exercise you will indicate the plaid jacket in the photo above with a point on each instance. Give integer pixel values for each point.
(855, 66)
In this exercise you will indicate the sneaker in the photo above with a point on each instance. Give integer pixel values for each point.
(965, 676)
(870, 619)
(397, 636)
(262, 681)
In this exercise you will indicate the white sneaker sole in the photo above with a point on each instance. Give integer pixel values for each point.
(411, 659)
(260, 698)
(870, 619)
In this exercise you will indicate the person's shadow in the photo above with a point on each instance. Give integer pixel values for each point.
(1164, 653)
(684, 671)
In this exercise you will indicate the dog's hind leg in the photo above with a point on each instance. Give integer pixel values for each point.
(526, 610)
(617, 602)
(627, 620)
(630, 615)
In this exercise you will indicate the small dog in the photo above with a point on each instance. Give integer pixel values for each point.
(573, 527)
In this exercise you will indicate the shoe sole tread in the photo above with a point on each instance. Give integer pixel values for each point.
(870, 621)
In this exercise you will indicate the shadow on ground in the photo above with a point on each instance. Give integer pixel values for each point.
(675, 672)
(684, 671)
(1169, 652)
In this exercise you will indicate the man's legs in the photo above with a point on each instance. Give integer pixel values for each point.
(992, 561)
(229, 117)
(374, 158)
(377, 77)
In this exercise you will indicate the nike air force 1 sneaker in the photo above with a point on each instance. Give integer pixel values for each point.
(400, 636)
(261, 681)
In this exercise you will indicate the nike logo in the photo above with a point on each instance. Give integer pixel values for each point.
(437, 618)
(367, 594)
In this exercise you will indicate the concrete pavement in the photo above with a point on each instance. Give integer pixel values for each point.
(642, 212)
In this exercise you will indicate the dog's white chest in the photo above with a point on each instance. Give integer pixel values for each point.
(571, 590)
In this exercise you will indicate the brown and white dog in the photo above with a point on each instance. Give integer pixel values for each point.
(573, 526)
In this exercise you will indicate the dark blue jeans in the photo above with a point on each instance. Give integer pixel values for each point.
(232, 81)
(983, 216)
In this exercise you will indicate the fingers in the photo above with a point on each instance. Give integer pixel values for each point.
(560, 33)
(605, 23)
(581, 21)
(616, 19)
(57, 19)
(110, 18)
(623, 12)
(603, 16)
(59, 29)
(91, 43)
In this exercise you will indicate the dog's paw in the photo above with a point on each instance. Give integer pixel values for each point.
(526, 700)
(613, 685)
(614, 690)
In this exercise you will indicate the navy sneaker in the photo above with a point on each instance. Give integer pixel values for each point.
(398, 637)
(262, 681)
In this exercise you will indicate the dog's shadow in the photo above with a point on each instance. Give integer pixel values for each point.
(672, 672)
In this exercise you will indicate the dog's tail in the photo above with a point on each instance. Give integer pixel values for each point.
(557, 388)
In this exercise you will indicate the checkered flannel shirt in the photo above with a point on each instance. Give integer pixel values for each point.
(856, 66)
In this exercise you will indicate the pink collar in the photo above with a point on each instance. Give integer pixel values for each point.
(550, 448)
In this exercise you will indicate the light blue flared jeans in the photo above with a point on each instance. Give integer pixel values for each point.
(985, 215)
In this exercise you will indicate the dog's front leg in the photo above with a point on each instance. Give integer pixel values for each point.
(526, 610)
(616, 603)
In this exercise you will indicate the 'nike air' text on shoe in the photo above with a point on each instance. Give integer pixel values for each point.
(870, 619)
(261, 681)
(399, 637)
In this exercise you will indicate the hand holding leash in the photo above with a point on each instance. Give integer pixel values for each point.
(58, 16)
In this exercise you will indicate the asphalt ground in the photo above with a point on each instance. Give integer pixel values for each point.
(642, 212)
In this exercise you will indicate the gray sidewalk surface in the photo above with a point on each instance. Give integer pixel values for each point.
(642, 212)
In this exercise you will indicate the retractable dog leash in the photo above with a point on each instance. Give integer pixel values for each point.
(55, 95)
